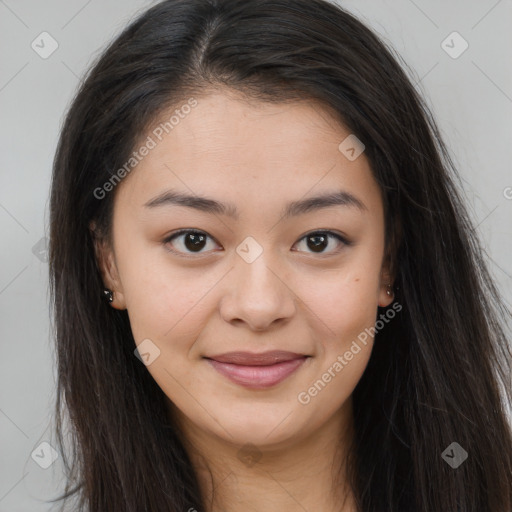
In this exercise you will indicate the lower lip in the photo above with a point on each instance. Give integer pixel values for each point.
(258, 377)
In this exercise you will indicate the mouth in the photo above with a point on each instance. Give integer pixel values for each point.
(257, 371)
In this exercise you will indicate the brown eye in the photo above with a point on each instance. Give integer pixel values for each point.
(194, 241)
(188, 241)
(318, 241)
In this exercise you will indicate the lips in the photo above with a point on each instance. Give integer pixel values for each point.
(251, 359)
(257, 371)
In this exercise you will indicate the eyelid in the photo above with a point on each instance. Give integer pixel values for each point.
(329, 232)
(179, 232)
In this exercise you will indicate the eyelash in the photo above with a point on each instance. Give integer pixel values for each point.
(176, 234)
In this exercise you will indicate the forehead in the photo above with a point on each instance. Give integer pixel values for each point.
(239, 150)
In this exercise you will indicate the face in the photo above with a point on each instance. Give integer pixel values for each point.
(256, 268)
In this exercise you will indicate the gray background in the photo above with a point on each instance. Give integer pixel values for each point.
(471, 97)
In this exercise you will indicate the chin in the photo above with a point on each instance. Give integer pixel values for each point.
(264, 427)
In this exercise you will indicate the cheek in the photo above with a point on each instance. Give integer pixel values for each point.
(344, 300)
(343, 358)
(355, 311)
(349, 309)
(168, 309)
(161, 299)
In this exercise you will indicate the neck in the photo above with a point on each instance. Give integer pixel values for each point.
(307, 474)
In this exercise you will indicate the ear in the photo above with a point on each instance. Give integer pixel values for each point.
(388, 270)
(106, 263)
(386, 283)
(384, 298)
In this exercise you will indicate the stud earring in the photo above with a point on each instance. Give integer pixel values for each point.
(388, 291)
(108, 295)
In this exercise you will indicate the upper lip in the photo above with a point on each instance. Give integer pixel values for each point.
(253, 359)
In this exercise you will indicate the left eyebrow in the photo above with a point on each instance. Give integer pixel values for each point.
(339, 198)
(295, 208)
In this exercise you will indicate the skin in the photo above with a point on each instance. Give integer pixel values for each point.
(257, 156)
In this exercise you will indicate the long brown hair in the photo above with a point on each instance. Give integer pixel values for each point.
(439, 373)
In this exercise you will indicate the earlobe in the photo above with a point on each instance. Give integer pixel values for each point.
(116, 300)
(387, 294)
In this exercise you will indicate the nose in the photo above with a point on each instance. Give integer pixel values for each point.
(257, 295)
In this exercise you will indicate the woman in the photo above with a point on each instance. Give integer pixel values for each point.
(298, 313)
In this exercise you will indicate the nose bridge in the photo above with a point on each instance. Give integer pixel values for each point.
(258, 295)
(259, 275)
(256, 270)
